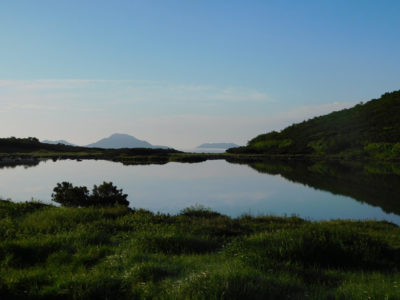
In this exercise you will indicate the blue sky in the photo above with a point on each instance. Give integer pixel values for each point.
(181, 73)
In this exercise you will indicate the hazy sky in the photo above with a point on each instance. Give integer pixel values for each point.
(180, 73)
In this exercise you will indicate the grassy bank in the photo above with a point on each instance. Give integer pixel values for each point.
(117, 253)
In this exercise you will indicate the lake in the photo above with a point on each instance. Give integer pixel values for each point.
(314, 191)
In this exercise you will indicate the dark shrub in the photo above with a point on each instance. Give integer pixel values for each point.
(68, 195)
(199, 211)
(105, 194)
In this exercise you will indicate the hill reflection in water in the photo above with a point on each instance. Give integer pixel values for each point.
(375, 183)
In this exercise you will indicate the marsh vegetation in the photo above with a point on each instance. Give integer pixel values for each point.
(49, 252)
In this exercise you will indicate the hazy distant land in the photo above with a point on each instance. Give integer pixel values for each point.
(120, 140)
(63, 142)
(218, 145)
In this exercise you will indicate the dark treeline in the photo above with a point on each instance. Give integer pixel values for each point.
(31, 144)
(370, 130)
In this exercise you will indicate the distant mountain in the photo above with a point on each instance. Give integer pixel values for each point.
(119, 140)
(58, 142)
(218, 145)
(368, 130)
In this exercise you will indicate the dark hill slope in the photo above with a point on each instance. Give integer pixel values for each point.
(370, 130)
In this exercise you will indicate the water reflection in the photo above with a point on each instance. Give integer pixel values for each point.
(13, 163)
(375, 183)
(344, 190)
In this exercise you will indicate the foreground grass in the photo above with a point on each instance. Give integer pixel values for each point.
(49, 252)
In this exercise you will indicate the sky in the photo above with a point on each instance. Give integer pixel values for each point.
(181, 73)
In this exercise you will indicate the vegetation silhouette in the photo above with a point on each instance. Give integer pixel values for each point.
(106, 194)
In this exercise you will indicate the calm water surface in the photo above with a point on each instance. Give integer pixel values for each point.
(227, 188)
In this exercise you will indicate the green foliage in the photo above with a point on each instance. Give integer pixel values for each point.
(49, 252)
(199, 211)
(105, 194)
(272, 144)
(68, 195)
(367, 131)
(319, 245)
(383, 150)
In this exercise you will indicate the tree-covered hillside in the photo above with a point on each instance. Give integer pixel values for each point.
(370, 130)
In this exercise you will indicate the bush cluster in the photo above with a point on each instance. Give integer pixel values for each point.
(106, 194)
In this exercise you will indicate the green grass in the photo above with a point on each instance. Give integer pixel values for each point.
(49, 252)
